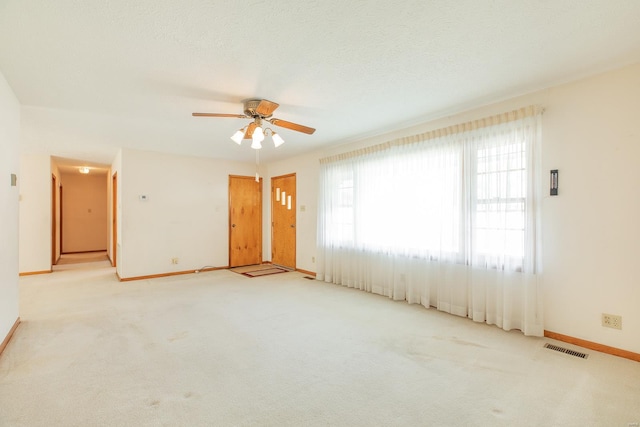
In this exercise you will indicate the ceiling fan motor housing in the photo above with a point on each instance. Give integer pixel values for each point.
(250, 106)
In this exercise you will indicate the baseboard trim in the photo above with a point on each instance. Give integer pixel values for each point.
(593, 346)
(31, 273)
(173, 273)
(203, 270)
(310, 273)
(9, 335)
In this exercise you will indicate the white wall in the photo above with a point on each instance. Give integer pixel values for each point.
(591, 230)
(591, 133)
(84, 212)
(185, 215)
(35, 213)
(9, 164)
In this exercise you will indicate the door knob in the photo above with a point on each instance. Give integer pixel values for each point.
(233, 226)
(293, 226)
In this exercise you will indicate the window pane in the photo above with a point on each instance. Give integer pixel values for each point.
(500, 201)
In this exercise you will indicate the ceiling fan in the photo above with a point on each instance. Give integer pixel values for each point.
(259, 110)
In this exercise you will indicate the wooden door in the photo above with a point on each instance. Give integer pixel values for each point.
(283, 220)
(245, 221)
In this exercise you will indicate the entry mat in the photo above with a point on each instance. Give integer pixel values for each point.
(259, 270)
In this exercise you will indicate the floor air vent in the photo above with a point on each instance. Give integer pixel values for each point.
(566, 351)
(309, 278)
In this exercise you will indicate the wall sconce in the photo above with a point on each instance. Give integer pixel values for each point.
(85, 170)
(554, 183)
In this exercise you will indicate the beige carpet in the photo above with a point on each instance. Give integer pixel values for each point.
(83, 257)
(215, 349)
(82, 261)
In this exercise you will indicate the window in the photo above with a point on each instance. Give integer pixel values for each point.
(500, 202)
(462, 197)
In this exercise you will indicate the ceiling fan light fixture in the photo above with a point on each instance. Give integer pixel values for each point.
(238, 136)
(258, 137)
(277, 139)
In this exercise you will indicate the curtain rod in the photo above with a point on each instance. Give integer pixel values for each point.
(495, 120)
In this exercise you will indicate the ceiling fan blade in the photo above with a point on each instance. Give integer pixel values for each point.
(266, 108)
(238, 116)
(249, 133)
(292, 126)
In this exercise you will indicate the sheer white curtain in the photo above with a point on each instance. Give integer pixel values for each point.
(446, 219)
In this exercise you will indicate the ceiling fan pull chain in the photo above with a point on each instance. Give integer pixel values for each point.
(257, 165)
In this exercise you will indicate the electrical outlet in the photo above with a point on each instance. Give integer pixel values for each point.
(313, 259)
(174, 260)
(611, 321)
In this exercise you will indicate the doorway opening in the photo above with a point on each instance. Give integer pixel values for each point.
(54, 221)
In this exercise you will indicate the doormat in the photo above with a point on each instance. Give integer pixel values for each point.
(259, 270)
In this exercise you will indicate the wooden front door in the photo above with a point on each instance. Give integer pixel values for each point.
(245, 221)
(283, 220)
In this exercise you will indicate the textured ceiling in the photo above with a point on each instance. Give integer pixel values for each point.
(94, 76)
